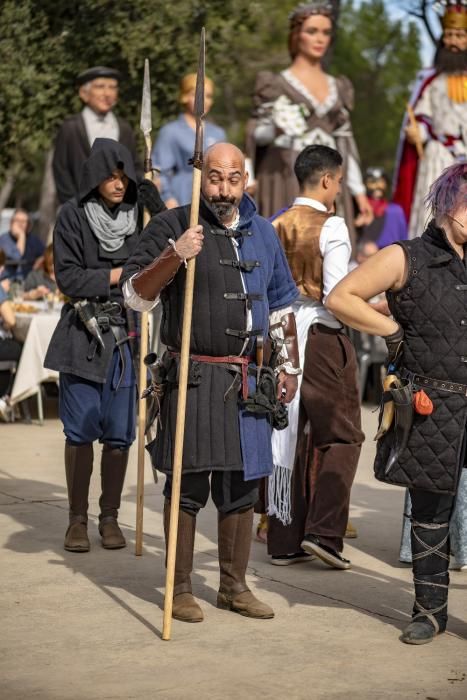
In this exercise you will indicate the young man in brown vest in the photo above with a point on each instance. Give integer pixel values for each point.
(323, 441)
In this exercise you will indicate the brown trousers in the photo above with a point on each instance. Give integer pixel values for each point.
(328, 447)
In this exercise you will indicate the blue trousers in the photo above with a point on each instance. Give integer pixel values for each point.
(92, 411)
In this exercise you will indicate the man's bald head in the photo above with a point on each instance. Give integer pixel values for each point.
(224, 180)
(225, 153)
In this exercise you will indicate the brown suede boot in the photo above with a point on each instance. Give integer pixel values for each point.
(78, 470)
(113, 469)
(185, 607)
(234, 539)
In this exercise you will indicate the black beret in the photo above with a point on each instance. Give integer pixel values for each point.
(97, 72)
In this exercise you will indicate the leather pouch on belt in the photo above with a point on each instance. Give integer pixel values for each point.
(264, 400)
(195, 371)
(422, 403)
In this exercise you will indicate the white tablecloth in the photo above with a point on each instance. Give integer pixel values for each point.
(31, 371)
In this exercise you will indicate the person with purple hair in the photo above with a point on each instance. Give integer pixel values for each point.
(423, 448)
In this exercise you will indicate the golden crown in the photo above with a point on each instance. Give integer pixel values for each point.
(454, 13)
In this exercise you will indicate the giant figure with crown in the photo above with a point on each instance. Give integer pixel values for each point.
(439, 103)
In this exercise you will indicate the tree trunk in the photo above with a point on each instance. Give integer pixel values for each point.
(47, 201)
(7, 187)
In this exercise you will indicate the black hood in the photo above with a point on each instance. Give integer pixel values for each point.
(106, 156)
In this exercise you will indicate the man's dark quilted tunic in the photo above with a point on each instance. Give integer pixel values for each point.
(432, 310)
(212, 433)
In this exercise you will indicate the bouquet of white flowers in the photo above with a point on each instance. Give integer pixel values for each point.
(290, 117)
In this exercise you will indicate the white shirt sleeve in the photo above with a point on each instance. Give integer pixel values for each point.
(354, 177)
(423, 131)
(264, 133)
(335, 247)
(134, 301)
(250, 170)
(276, 316)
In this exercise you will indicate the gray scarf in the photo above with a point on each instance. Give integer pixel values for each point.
(111, 232)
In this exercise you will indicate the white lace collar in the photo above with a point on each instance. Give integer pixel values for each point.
(321, 108)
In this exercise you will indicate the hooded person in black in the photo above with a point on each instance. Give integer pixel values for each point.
(90, 348)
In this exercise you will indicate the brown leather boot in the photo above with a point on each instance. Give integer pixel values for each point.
(234, 539)
(113, 469)
(185, 607)
(78, 470)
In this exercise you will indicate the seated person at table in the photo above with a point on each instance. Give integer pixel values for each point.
(10, 349)
(21, 247)
(39, 283)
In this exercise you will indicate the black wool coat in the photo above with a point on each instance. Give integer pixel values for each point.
(82, 267)
(72, 149)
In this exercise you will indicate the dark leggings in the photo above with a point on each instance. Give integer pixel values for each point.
(428, 507)
(229, 491)
(10, 350)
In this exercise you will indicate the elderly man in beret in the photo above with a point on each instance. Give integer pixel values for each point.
(98, 90)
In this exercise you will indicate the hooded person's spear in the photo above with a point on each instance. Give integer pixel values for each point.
(184, 351)
(146, 128)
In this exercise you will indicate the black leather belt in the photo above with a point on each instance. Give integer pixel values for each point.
(440, 384)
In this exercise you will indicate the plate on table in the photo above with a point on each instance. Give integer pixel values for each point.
(23, 307)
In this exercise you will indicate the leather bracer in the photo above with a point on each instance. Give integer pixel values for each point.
(394, 344)
(151, 280)
(290, 341)
(283, 336)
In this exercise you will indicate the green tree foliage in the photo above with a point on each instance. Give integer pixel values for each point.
(28, 86)
(44, 44)
(381, 56)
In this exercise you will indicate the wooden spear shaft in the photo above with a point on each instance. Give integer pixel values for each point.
(184, 350)
(142, 403)
(413, 123)
(180, 425)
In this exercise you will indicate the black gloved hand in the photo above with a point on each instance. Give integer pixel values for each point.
(149, 197)
(394, 343)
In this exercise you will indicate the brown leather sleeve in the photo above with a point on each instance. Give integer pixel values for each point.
(150, 281)
(290, 338)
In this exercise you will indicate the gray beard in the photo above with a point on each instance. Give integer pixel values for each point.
(225, 211)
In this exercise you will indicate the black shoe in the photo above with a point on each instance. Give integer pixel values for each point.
(419, 632)
(287, 559)
(312, 545)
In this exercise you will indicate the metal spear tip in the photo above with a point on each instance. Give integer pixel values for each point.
(146, 119)
(199, 92)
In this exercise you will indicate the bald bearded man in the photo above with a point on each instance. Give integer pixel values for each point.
(243, 286)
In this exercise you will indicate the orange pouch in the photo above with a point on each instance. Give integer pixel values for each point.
(422, 403)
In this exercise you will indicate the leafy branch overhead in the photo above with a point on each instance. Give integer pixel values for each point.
(44, 44)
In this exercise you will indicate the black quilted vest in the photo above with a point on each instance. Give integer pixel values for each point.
(432, 310)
